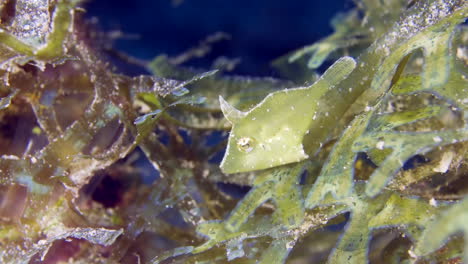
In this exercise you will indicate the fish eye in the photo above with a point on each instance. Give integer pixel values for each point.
(245, 144)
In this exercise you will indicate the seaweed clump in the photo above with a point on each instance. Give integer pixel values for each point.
(118, 169)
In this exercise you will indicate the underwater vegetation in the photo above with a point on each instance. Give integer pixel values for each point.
(363, 163)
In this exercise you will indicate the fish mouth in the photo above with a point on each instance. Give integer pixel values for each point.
(235, 164)
(229, 165)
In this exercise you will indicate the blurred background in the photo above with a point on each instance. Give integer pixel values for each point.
(259, 30)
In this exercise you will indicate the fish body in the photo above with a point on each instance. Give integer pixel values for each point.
(272, 132)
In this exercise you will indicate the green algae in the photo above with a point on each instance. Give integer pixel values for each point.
(377, 143)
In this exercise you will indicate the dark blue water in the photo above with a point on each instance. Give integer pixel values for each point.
(261, 30)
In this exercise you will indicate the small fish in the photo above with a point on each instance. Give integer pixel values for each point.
(271, 133)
